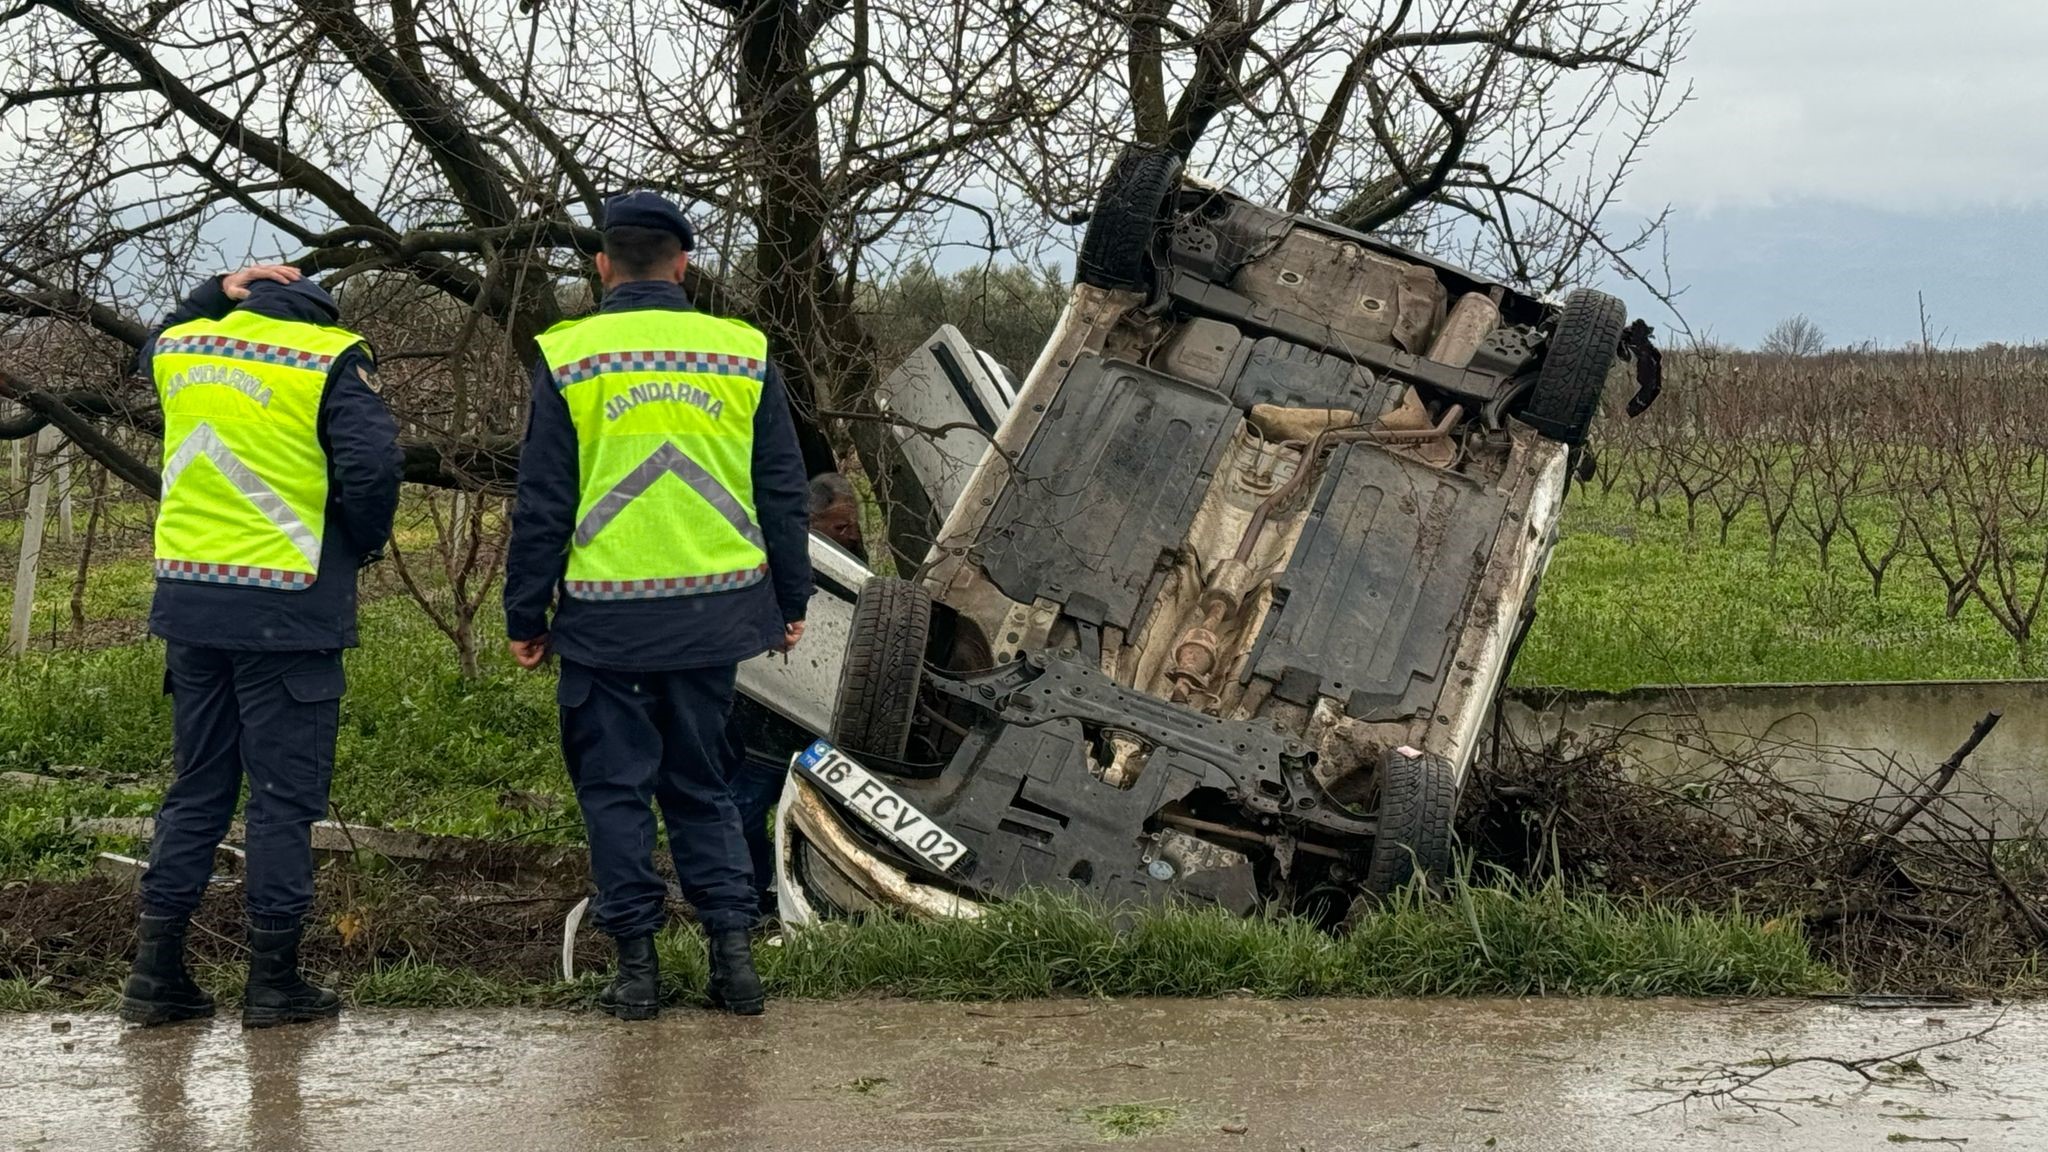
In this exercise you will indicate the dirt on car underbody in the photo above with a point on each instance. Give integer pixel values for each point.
(1222, 611)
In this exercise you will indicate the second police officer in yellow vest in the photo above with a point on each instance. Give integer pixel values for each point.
(661, 508)
(280, 479)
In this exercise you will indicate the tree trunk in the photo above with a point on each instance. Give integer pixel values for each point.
(63, 465)
(32, 529)
(465, 644)
(92, 528)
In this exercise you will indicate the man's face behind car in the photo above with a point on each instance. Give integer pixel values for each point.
(839, 522)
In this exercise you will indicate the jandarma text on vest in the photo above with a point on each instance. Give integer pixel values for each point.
(669, 391)
(234, 378)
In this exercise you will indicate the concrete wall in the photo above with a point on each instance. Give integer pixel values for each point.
(1832, 735)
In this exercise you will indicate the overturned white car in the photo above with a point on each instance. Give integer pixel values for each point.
(1223, 602)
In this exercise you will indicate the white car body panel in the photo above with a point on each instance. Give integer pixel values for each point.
(946, 384)
(801, 686)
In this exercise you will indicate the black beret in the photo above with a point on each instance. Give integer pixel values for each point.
(649, 210)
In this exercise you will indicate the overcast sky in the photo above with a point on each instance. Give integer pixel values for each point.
(1842, 155)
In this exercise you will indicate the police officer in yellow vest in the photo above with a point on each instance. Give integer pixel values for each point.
(661, 506)
(280, 479)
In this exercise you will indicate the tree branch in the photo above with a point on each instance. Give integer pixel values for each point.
(89, 439)
(1416, 191)
(230, 130)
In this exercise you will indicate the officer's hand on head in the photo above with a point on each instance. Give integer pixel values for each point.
(791, 633)
(530, 653)
(236, 284)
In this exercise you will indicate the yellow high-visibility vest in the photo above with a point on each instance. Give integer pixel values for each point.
(244, 475)
(663, 405)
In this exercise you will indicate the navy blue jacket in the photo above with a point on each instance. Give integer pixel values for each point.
(363, 469)
(672, 633)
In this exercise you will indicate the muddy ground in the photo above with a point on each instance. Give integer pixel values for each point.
(500, 918)
(1537, 1076)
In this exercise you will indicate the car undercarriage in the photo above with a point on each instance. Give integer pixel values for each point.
(1221, 611)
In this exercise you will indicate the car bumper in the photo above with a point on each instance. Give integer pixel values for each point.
(810, 835)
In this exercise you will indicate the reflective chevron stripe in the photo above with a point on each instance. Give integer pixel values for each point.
(244, 392)
(204, 441)
(654, 392)
(667, 460)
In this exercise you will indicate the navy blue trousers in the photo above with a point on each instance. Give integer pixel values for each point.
(269, 717)
(756, 778)
(635, 738)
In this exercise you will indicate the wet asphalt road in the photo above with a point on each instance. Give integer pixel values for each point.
(1536, 1075)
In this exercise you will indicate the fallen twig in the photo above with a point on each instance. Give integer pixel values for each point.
(1727, 1082)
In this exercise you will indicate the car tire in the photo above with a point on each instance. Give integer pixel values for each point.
(1582, 350)
(1418, 806)
(884, 669)
(1116, 250)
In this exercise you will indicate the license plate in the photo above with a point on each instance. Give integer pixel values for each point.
(880, 807)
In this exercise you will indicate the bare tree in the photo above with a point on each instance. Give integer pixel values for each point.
(443, 164)
(1794, 336)
(469, 533)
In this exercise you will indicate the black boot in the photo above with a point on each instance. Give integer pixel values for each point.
(159, 990)
(635, 990)
(735, 986)
(277, 994)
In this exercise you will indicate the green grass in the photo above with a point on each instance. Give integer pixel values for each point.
(1631, 600)
(1481, 941)
(18, 995)
(422, 747)
(419, 746)
(34, 840)
(1129, 1121)
(118, 586)
(116, 590)
(1484, 941)
(121, 581)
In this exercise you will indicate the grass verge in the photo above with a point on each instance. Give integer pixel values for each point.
(419, 746)
(1509, 941)
(20, 995)
(1481, 941)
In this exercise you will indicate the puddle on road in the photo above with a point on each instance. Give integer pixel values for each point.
(1535, 1075)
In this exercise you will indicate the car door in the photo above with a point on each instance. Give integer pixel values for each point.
(946, 384)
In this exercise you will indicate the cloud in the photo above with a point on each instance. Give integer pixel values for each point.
(1889, 104)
